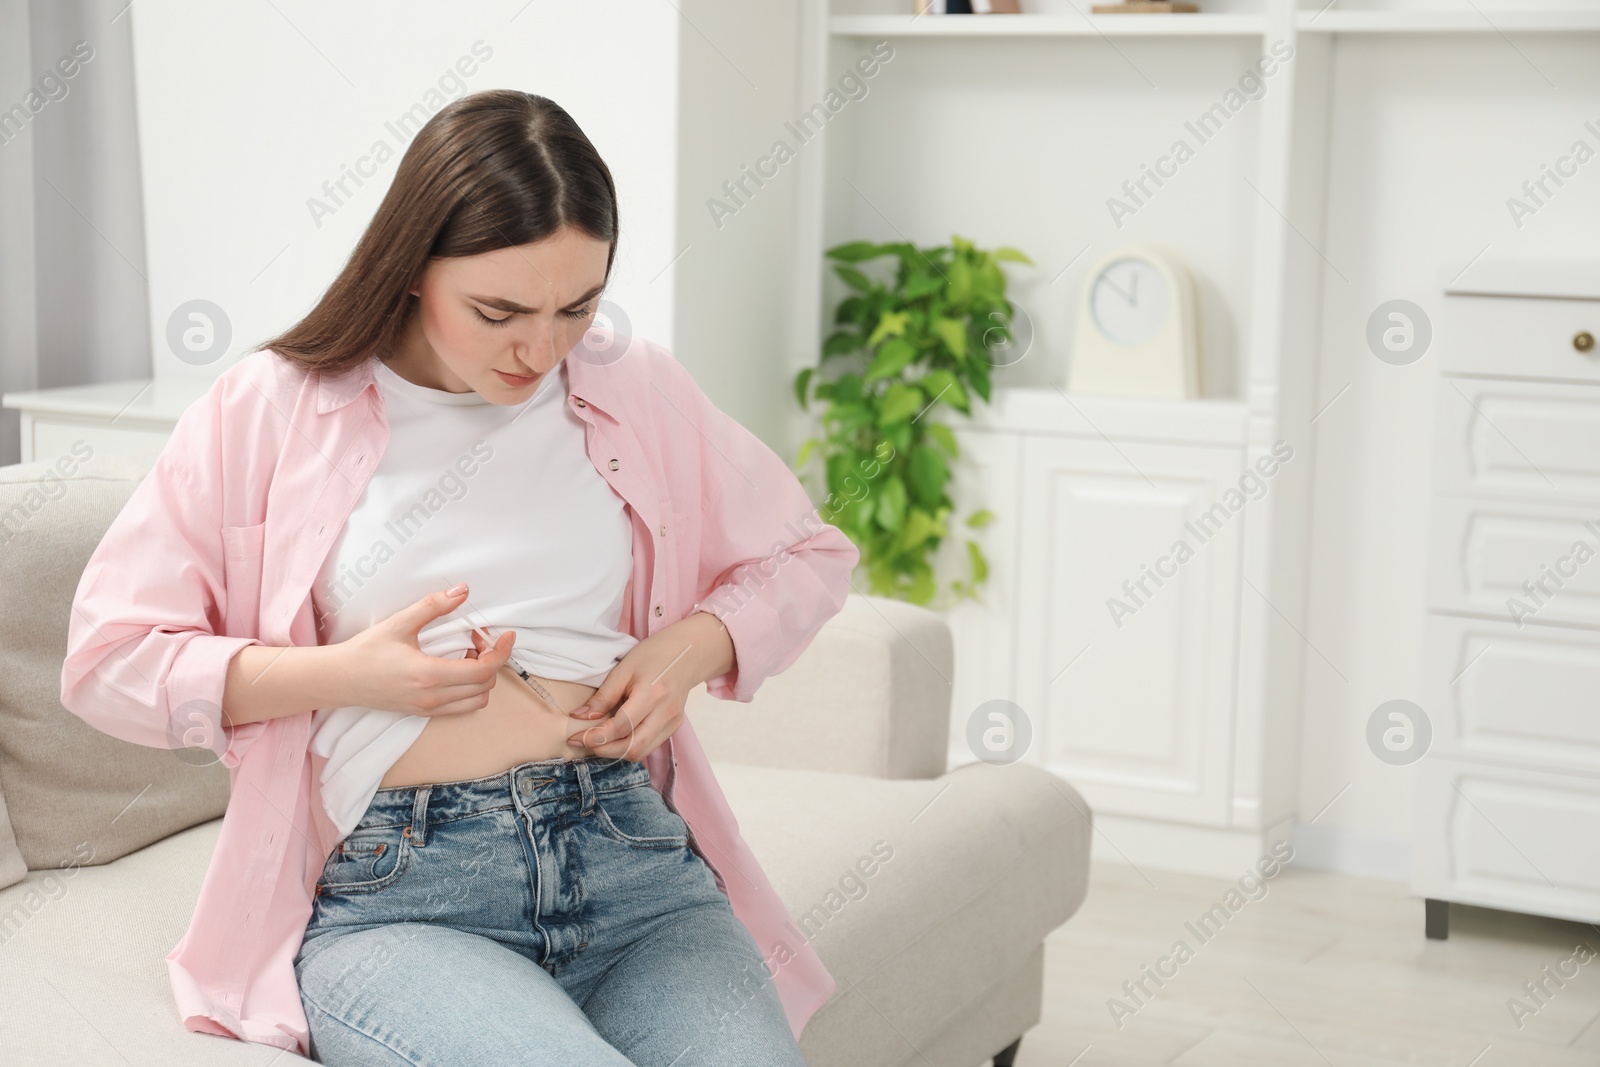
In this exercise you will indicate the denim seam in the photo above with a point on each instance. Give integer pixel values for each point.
(356, 1029)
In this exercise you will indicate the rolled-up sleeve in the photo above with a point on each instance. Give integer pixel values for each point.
(146, 659)
(769, 567)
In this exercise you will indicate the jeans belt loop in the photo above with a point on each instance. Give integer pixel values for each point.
(419, 816)
(585, 787)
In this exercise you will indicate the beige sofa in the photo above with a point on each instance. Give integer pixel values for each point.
(938, 953)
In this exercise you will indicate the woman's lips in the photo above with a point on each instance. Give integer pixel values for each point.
(516, 380)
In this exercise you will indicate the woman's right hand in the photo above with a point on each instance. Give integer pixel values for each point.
(384, 667)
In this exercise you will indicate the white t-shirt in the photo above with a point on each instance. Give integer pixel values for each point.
(502, 497)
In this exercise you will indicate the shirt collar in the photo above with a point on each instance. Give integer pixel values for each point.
(586, 381)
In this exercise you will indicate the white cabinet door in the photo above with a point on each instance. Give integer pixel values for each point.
(1507, 838)
(1127, 595)
(1511, 440)
(1515, 561)
(984, 475)
(1523, 696)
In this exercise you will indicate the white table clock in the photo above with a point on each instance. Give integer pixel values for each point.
(1136, 327)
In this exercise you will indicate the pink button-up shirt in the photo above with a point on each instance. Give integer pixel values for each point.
(219, 545)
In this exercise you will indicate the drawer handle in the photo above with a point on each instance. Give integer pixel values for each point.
(1584, 341)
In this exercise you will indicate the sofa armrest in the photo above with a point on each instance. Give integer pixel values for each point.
(870, 695)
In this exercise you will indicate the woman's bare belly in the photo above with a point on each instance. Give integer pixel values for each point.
(516, 726)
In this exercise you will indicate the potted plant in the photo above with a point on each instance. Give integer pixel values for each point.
(904, 347)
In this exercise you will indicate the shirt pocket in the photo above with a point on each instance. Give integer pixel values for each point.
(243, 550)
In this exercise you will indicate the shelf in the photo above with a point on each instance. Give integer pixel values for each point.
(1198, 25)
(1213, 422)
(138, 400)
(1468, 21)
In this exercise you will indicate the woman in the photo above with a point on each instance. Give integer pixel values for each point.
(438, 849)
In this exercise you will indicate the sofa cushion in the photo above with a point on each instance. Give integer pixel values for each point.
(74, 795)
(84, 977)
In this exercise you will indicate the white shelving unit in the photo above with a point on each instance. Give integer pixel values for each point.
(1470, 20)
(1182, 726)
(1065, 25)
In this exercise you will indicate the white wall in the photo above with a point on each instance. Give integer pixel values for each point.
(737, 72)
(247, 109)
(1430, 135)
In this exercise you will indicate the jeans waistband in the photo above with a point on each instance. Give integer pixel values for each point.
(575, 781)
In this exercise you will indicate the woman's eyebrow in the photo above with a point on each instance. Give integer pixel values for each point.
(502, 304)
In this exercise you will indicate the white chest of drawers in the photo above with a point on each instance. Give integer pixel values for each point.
(1508, 796)
(127, 422)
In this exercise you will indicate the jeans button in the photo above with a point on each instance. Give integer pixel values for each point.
(525, 787)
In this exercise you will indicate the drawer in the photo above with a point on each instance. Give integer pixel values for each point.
(1517, 440)
(1528, 563)
(1503, 838)
(1520, 337)
(1514, 697)
(44, 438)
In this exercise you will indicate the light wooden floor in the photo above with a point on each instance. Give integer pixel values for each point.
(1325, 970)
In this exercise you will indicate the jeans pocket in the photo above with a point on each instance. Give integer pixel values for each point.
(638, 816)
(370, 858)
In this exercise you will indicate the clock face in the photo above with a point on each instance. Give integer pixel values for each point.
(1131, 301)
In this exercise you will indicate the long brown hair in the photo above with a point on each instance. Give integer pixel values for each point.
(491, 170)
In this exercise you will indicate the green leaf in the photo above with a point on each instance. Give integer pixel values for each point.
(921, 285)
(850, 417)
(893, 358)
(928, 475)
(988, 285)
(851, 309)
(902, 401)
(944, 438)
(891, 510)
(807, 446)
(923, 583)
(899, 438)
(801, 382)
(847, 389)
(1006, 252)
(953, 332)
(919, 527)
(980, 518)
(978, 371)
(892, 324)
(980, 566)
(907, 251)
(945, 386)
(860, 513)
(855, 251)
(960, 275)
(854, 278)
(840, 343)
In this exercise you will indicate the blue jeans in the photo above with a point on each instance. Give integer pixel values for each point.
(550, 914)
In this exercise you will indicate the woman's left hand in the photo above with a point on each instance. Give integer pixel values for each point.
(652, 682)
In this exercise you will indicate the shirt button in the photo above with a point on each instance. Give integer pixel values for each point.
(658, 611)
(663, 529)
(614, 464)
(580, 403)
